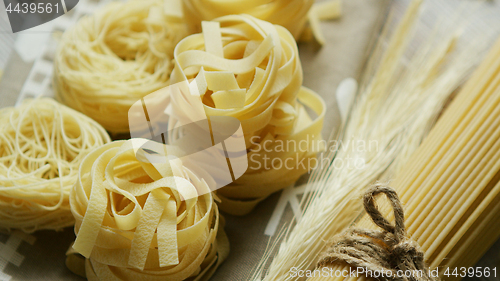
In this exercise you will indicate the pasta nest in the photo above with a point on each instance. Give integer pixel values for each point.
(250, 69)
(292, 14)
(113, 58)
(42, 144)
(139, 221)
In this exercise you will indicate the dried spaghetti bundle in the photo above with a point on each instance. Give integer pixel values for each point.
(249, 69)
(290, 14)
(110, 60)
(403, 95)
(42, 144)
(139, 221)
(450, 187)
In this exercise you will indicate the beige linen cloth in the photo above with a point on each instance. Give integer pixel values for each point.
(41, 256)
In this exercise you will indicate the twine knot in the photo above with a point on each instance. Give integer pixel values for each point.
(388, 252)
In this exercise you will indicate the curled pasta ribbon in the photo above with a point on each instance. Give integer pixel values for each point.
(42, 144)
(278, 161)
(111, 59)
(249, 69)
(133, 221)
(300, 17)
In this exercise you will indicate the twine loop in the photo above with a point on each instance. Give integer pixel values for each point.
(389, 254)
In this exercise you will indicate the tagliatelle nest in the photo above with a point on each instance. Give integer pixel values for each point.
(249, 69)
(290, 14)
(141, 221)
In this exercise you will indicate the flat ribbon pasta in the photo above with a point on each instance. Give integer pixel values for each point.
(288, 158)
(111, 59)
(42, 144)
(141, 221)
(300, 17)
(249, 69)
(292, 14)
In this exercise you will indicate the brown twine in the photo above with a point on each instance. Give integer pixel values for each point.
(387, 251)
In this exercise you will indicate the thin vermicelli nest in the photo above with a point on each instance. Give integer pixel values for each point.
(41, 146)
(110, 60)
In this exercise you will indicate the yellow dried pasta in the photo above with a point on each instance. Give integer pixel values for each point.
(249, 69)
(450, 186)
(292, 14)
(141, 221)
(111, 59)
(42, 144)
